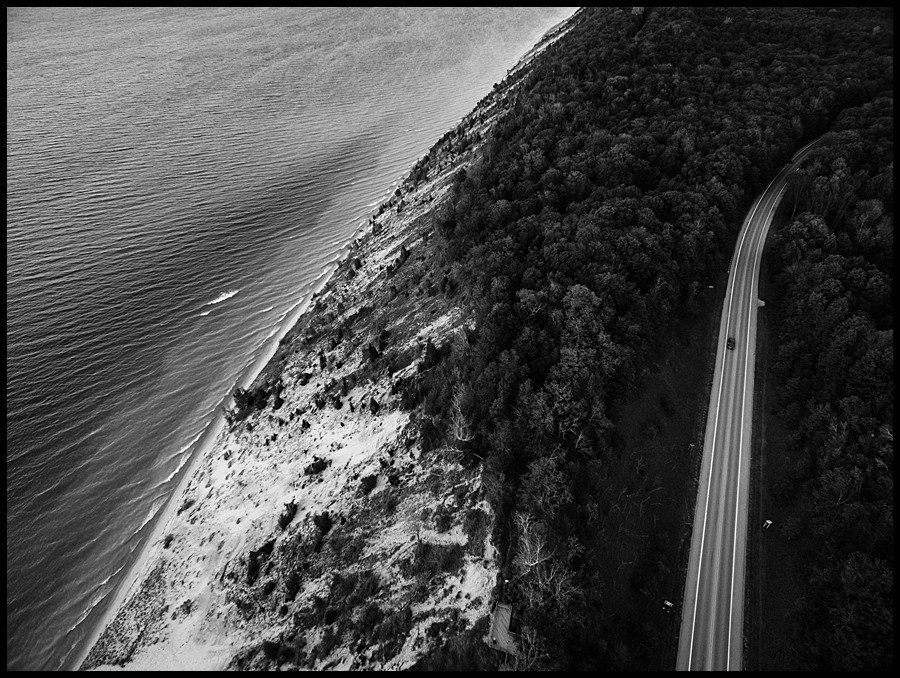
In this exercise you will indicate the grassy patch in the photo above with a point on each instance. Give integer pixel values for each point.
(475, 525)
(290, 510)
(367, 484)
(369, 619)
(388, 501)
(346, 544)
(317, 466)
(465, 651)
(323, 522)
(392, 632)
(346, 594)
(430, 560)
(291, 585)
(443, 518)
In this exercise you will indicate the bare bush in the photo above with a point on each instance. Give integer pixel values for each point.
(460, 428)
(544, 575)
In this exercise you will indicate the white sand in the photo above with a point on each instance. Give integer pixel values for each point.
(239, 485)
(177, 607)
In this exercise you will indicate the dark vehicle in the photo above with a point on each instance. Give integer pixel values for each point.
(731, 343)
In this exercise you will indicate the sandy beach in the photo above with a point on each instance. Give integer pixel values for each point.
(325, 484)
(178, 607)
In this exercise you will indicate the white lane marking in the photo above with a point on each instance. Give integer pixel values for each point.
(754, 278)
(801, 153)
(716, 425)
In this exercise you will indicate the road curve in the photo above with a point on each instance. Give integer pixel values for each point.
(712, 613)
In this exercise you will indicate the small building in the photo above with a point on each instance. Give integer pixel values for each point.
(499, 636)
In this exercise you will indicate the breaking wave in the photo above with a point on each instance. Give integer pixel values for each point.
(222, 297)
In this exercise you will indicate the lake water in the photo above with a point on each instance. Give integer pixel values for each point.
(177, 181)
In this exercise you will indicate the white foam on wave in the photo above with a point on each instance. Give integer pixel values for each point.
(222, 297)
(106, 581)
(155, 507)
(302, 300)
(184, 460)
(185, 447)
(95, 601)
(99, 595)
(177, 469)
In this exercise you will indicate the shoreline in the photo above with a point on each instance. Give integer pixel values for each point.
(134, 590)
(140, 568)
(211, 433)
(150, 554)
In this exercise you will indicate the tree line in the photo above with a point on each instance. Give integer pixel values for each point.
(835, 360)
(606, 199)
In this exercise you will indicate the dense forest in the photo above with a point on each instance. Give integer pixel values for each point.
(835, 361)
(606, 199)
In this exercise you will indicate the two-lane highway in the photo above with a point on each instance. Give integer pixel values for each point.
(713, 609)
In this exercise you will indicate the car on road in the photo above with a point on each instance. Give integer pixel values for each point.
(731, 343)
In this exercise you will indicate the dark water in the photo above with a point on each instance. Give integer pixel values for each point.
(177, 180)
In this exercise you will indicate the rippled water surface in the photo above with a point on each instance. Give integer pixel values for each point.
(177, 180)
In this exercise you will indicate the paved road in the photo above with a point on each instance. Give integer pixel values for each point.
(713, 610)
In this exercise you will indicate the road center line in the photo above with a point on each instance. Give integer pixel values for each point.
(773, 202)
(754, 287)
(716, 424)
